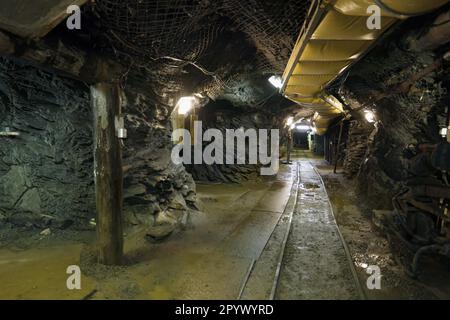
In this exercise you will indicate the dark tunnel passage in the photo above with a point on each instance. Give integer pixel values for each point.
(225, 150)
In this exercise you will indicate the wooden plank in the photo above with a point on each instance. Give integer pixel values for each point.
(62, 57)
(108, 173)
(28, 19)
(6, 45)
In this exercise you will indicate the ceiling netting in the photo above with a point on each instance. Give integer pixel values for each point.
(178, 32)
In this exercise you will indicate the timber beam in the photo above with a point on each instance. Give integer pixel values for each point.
(64, 59)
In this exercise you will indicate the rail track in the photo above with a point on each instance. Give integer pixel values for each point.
(293, 212)
(276, 278)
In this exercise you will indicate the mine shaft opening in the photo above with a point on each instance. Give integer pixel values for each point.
(232, 149)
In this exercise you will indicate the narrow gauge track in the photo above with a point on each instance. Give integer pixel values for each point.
(287, 235)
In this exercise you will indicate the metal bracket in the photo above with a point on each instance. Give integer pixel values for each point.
(9, 133)
(121, 132)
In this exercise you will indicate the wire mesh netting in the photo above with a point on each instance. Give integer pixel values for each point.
(272, 25)
(158, 28)
(178, 32)
(404, 87)
(421, 94)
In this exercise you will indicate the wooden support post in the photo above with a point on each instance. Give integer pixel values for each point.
(105, 99)
(448, 124)
(337, 149)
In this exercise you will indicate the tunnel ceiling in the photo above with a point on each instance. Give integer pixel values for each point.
(224, 48)
(185, 29)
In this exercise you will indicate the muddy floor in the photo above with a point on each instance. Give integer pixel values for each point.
(229, 250)
(208, 260)
(315, 264)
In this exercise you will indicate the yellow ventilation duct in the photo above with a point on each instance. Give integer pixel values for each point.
(334, 36)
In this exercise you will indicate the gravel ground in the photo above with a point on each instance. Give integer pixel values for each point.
(368, 246)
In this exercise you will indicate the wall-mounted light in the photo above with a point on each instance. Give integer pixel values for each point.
(8, 133)
(443, 132)
(276, 81)
(121, 132)
(289, 121)
(185, 105)
(370, 116)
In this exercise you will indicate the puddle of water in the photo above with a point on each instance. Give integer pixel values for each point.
(309, 186)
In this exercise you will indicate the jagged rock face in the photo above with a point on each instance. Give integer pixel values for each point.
(153, 183)
(410, 113)
(46, 173)
(222, 115)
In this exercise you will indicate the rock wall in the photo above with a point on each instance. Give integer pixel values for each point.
(408, 90)
(222, 115)
(46, 173)
(157, 192)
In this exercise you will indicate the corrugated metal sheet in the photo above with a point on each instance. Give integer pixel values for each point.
(335, 36)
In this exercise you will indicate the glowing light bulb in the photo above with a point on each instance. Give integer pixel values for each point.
(302, 127)
(185, 105)
(289, 121)
(276, 81)
(370, 116)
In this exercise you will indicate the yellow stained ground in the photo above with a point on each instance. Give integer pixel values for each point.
(40, 273)
(207, 261)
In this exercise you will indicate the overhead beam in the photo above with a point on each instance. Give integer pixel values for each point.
(335, 34)
(63, 58)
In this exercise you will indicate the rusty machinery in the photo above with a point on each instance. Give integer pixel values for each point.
(422, 216)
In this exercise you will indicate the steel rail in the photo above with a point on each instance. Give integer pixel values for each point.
(286, 236)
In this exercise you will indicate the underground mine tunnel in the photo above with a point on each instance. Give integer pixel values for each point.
(229, 149)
